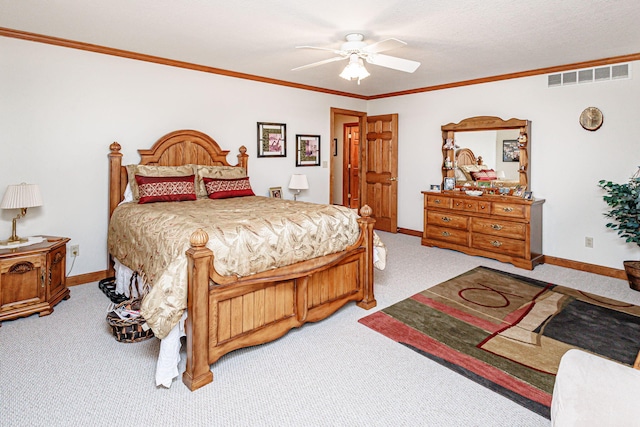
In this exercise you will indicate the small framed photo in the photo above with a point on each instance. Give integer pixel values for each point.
(307, 150)
(275, 192)
(435, 187)
(449, 183)
(510, 150)
(519, 191)
(528, 195)
(272, 140)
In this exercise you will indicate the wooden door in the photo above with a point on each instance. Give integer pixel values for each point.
(380, 170)
(351, 166)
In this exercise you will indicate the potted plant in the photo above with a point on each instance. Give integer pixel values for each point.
(624, 203)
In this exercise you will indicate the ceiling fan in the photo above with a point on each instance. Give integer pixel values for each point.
(356, 50)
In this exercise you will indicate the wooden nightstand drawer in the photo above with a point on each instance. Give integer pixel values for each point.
(446, 219)
(458, 237)
(496, 227)
(22, 282)
(502, 245)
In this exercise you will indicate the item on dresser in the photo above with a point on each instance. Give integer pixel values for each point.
(473, 192)
(504, 228)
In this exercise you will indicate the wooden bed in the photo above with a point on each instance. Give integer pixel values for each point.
(227, 313)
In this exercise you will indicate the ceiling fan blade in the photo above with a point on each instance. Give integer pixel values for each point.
(336, 51)
(401, 64)
(383, 45)
(315, 64)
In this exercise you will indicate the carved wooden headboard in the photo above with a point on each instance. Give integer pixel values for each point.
(181, 147)
(465, 156)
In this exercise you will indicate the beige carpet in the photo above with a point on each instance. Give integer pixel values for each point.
(67, 370)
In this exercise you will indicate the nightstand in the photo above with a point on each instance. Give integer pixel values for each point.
(32, 278)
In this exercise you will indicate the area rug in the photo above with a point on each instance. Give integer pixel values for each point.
(508, 332)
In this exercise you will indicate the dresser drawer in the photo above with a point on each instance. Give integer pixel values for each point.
(498, 244)
(446, 219)
(450, 235)
(509, 209)
(497, 227)
(465, 205)
(438, 201)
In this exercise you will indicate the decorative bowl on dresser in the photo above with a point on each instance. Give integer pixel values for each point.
(508, 229)
(32, 278)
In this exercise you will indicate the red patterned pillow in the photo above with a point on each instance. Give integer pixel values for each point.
(220, 188)
(166, 188)
(484, 175)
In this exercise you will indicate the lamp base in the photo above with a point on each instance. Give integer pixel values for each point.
(11, 241)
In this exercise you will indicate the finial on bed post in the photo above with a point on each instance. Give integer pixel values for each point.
(200, 259)
(243, 158)
(366, 227)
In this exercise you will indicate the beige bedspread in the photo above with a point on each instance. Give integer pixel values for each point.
(247, 235)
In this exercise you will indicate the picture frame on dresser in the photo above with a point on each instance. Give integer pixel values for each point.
(449, 183)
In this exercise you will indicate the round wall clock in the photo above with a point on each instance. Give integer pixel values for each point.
(591, 118)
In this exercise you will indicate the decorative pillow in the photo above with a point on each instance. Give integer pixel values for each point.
(152, 170)
(467, 169)
(225, 172)
(485, 175)
(166, 188)
(221, 188)
(460, 176)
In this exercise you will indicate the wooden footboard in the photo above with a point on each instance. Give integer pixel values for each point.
(228, 313)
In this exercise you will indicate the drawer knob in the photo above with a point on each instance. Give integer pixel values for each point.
(436, 201)
(496, 243)
(469, 205)
(446, 234)
(496, 226)
(507, 209)
(446, 219)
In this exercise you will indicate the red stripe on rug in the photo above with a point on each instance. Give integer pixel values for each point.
(460, 315)
(400, 332)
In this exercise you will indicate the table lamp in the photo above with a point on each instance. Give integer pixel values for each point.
(298, 182)
(20, 196)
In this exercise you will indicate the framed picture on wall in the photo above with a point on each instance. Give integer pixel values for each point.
(307, 150)
(510, 150)
(272, 140)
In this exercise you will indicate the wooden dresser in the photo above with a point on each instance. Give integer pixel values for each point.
(508, 229)
(32, 278)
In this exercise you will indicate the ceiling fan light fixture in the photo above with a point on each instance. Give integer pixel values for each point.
(355, 69)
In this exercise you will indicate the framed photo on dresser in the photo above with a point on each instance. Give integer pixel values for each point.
(449, 183)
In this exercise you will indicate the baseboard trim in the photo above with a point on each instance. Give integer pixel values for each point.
(81, 279)
(583, 266)
(567, 263)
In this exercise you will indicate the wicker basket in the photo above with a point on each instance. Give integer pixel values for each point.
(133, 329)
(108, 286)
(633, 274)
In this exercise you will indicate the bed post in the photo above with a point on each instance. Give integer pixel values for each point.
(198, 373)
(243, 158)
(115, 194)
(366, 226)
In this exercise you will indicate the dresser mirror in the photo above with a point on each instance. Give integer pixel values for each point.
(487, 153)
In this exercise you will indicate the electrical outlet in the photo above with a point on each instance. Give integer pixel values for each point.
(74, 250)
(588, 242)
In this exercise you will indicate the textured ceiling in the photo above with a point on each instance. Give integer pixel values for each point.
(455, 40)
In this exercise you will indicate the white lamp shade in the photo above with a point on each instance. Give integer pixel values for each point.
(20, 196)
(501, 175)
(298, 182)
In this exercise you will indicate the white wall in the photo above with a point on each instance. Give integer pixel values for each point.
(566, 161)
(61, 108)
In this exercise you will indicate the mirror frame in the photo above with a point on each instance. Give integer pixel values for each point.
(480, 123)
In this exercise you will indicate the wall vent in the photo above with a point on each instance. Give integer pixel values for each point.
(589, 75)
